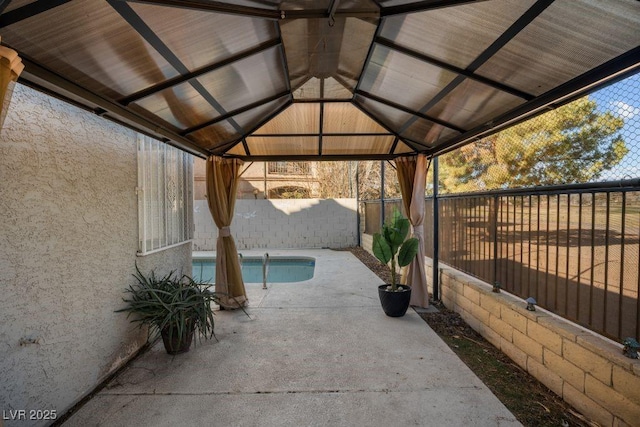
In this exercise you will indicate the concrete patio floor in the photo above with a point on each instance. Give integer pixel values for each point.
(320, 352)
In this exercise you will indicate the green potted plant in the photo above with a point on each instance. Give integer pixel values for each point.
(392, 245)
(173, 307)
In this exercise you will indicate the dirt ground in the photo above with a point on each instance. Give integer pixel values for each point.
(530, 401)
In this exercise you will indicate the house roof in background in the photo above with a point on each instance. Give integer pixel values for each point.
(321, 79)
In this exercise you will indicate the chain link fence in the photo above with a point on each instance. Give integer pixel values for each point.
(549, 208)
(593, 139)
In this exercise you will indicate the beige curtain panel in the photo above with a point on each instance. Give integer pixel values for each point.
(412, 176)
(222, 183)
(10, 68)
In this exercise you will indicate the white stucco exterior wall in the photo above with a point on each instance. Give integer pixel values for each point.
(282, 224)
(68, 243)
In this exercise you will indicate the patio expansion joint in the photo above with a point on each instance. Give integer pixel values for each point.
(316, 307)
(280, 392)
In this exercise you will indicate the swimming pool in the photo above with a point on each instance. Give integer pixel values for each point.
(281, 269)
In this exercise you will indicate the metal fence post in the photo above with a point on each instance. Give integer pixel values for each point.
(496, 199)
(381, 193)
(358, 216)
(436, 243)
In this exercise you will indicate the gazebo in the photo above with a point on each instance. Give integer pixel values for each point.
(330, 80)
(237, 81)
(319, 80)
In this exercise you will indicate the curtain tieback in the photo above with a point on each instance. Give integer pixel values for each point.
(418, 232)
(224, 232)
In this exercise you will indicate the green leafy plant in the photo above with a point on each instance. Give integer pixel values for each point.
(177, 307)
(390, 245)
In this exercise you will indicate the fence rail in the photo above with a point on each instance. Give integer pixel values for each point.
(575, 249)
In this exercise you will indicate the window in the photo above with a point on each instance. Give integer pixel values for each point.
(165, 194)
(289, 168)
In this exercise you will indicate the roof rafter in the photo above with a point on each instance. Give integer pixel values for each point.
(324, 157)
(318, 100)
(293, 135)
(3, 5)
(228, 146)
(616, 69)
(422, 6)
(138, 24)
(321, 119)
(214, 6)
(246, 147)
(441, 64)
(283, 57)
(235, 112)
(410, 142)
(257, 12)
(36, 70)
(199, 72)
(532, 13)
(409, 111)
(28, 11)
(394, 145)
(433, 97)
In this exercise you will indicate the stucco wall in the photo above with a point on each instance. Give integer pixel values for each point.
(67, 250)
(282, 223)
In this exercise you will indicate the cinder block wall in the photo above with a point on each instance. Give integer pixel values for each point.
(282, 224)
(586, 370)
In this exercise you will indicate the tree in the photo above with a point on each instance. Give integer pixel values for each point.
(337, 179)
(369, 180)
(574, 143)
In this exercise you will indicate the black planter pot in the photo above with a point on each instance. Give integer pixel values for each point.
(175, 343)
(394, 304)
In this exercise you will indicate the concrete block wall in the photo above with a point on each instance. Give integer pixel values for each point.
(366, 241)
(586, 370)
(282, 224)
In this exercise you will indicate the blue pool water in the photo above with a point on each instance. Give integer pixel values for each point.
(281, 269)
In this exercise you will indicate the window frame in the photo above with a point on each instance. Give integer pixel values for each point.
(165, 196)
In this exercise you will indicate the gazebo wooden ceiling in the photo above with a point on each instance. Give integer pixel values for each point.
(325, 79)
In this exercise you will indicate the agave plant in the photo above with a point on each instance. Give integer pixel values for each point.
(172, 307)
(390, 245)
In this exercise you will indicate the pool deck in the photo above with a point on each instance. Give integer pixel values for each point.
(313, 353)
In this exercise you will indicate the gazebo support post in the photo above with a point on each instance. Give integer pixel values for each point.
(436, 242)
